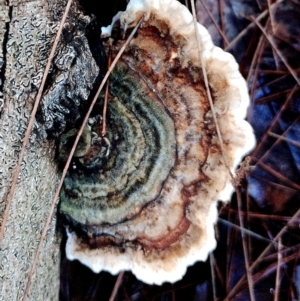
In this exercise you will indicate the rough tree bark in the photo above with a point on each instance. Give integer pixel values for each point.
(27, 32)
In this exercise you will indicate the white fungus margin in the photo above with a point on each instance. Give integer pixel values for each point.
(231, 108)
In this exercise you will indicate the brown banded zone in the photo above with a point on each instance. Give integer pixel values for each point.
(132, 173)
(152, 70)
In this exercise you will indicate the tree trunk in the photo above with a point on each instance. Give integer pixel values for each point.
(27, 32)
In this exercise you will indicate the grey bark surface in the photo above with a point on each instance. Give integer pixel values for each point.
(27, 32)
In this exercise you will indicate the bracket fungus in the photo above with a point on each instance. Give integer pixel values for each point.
(144, 197)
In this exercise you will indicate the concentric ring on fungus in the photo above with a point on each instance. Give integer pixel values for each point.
(145, 196)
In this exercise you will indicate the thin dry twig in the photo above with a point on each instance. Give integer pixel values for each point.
(276, 174)
(54, 200)
(173, 293)
(276, 143)
(271, 15)
(243, 32)
(282, 137)
(243, 234)
(176, 289)
(266, 216)
(249, 240)
(279, 263)
(235, 289)
(246, 231)
(217, 273)
(294, 291)
(186, 3)
(254, 64)
(279, 53)
(277, 80)
(276, 119)
(285, 252)
(272, 97)
(277, 72)
(117, 286)
(269, 133)
(213, 276)
(264, 273)
(250, 26)
(208, 90)
(222, 21)
(30, 124)
(226, 42)
(248, 54)
(258, 4)
(270, 269)
(231, 235)
(103, 130)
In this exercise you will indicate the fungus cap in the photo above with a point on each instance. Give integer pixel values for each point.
(149, 204)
